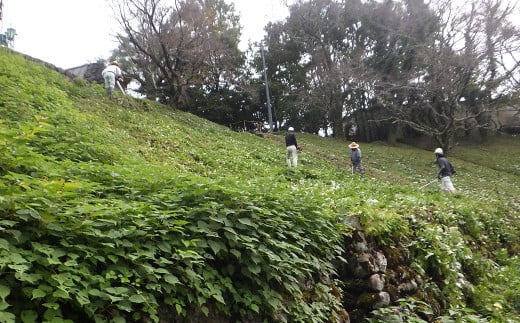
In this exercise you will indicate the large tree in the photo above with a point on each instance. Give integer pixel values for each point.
(309, 59)
(442, 70)
(179, 48)
(374, 68)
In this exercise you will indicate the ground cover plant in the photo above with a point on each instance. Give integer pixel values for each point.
(127, 210)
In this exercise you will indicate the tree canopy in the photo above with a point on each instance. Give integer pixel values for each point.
(181, 52)
(365, 70)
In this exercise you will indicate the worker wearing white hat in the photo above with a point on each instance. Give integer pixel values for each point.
(110, 74)
(446, 169)
(291, 145)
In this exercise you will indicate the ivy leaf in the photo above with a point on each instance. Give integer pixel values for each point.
(235, 253)
(7, 223)
(4, 244)
(82, 298)
(216, 246)
(219, 298)
(118, 319)
(16, 258)
(125, 305)
(7, 317)
(230, 229)
(29, 316)
(94, 292)
(137, 298)
(29, 278)
(55, 227)
(178, 308)
(255, 308)
(117, 290)
(38, 293)
(161, 271)
(52, 305)
(60, 293)
(171, 279)
(255, 269)
(248, 222)
(203, 226)
(4, 292)
(28, 213)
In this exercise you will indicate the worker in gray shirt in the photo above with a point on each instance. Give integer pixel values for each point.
(355, 158)
(446, 169)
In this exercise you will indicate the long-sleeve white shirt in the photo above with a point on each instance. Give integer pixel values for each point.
(112, 69)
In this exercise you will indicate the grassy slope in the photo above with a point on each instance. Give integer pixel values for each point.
(90, 140)
(190, 144)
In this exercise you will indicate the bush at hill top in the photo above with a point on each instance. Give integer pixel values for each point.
(129, 210)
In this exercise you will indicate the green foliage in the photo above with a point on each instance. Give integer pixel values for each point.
(406, 310)
(130, 243)
(501, 301)
(316, 305)
(114, 212)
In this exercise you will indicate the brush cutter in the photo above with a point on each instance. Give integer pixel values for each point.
(435, 180)
(120, 87)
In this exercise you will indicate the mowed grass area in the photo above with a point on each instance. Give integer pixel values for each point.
(489, 170)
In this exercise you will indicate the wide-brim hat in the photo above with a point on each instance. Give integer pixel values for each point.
(353, 145)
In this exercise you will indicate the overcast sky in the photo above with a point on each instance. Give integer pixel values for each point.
(69, 33)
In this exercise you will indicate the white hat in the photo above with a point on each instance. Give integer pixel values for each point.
(353, 145)
(291, 129)
(439, 151)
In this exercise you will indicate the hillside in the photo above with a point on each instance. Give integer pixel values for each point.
(127, 210)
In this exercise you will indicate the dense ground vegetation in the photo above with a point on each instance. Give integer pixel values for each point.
(129, 210)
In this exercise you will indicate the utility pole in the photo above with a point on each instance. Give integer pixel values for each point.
(267, 91)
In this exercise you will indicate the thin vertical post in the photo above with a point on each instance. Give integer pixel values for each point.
(267, 91)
